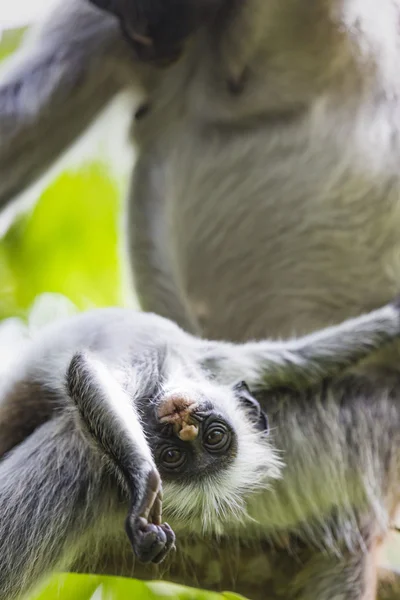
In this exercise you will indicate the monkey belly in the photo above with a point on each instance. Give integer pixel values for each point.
(281, 255)
(258, 572)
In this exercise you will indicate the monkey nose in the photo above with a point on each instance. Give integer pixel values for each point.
(177, 410)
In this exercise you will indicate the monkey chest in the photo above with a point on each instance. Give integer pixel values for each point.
(272, 237)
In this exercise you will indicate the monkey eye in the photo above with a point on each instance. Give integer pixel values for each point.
(217, 438)
(172, 457)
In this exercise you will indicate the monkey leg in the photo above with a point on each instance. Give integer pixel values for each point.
(52, 493)
(157, 289)
(109, 416)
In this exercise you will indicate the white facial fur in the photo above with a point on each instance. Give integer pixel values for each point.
(218, 501)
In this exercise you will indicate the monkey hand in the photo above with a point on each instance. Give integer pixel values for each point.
(157, 30)
(151, 540)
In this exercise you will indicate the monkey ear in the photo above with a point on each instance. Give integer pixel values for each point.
(255, 411)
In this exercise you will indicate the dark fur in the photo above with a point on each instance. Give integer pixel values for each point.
(158, 29)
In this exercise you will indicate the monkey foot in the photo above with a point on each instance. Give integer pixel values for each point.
(151, 543)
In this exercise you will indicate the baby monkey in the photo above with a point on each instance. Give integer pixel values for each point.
(100, 407)
(188, 435)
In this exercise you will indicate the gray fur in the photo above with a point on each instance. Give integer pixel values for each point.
(33, 542)
(276, 145)
(48, 94)
(129, 366)
(58, 488)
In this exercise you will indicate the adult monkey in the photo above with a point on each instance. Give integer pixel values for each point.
(265, 202)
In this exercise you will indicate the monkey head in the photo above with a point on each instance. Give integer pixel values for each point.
(158, 29)
(210, 444)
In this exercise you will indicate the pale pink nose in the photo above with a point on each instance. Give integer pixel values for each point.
(177, 410)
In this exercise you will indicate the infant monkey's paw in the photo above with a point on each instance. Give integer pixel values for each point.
(151, 543)
(151, 540)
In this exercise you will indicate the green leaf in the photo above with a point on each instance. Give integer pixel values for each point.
(68, 244)
(90, 587)
(77, 587)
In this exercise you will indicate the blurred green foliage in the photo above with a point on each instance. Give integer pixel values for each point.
(10, 41)
(67, 244)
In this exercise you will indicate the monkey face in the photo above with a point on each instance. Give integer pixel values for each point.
(192, 435)
(211, 448)
(192, 438)
(157, 29)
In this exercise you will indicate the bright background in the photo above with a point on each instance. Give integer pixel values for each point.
(17, 13)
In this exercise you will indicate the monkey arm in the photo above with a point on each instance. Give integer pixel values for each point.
(54, 87)
(309, 359)
(56, 488)
(109, 414)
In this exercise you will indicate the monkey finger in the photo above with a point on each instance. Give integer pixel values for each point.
(148, 540)
(169, 546)
(153, 488)
(155, 515)
(170, 536)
